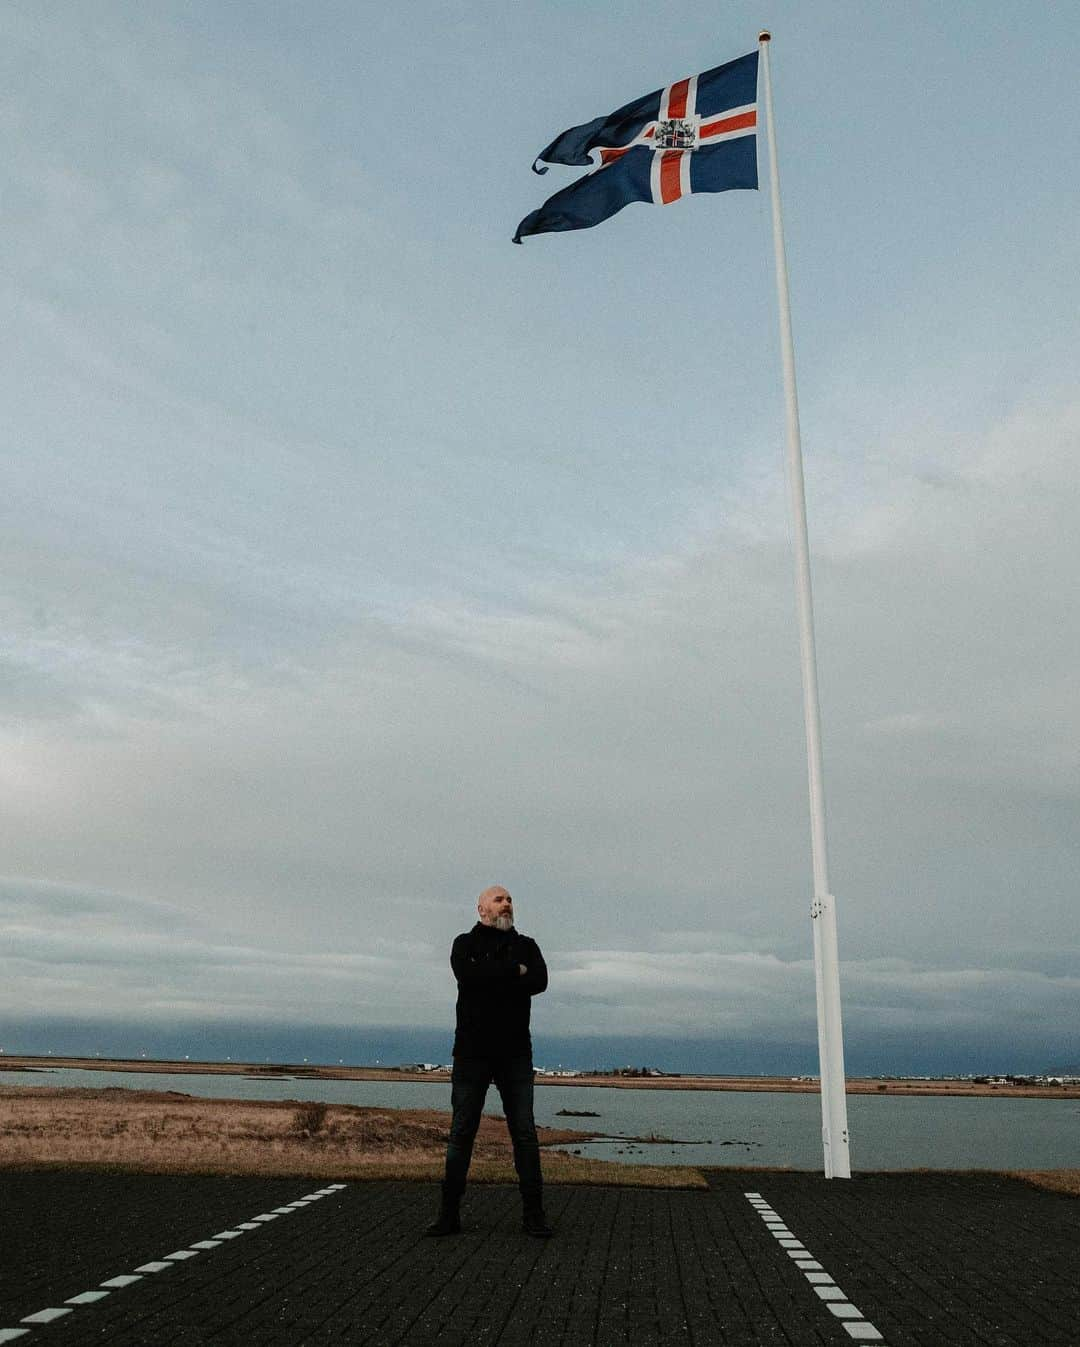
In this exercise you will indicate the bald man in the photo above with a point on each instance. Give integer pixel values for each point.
(498, 972)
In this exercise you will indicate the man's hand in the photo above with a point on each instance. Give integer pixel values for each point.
(522, 970)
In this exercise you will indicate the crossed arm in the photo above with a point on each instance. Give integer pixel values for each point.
(531, 978)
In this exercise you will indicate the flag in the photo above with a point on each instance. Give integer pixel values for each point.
(697, 135)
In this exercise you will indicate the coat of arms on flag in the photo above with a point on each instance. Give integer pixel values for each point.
(696, 135)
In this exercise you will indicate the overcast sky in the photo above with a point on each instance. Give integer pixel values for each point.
(355, 559)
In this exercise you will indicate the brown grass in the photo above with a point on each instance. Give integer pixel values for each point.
(145, 1131)
(1054, 1180)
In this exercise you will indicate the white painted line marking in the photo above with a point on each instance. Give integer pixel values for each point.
(823, 1286)
(751, 1196)
(45, 1316)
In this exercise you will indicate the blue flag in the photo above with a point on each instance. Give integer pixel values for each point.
(696, 135)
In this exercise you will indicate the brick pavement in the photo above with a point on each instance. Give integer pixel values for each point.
(923, 1259)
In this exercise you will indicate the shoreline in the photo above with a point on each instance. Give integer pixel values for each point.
(307, 1071)
(116, 1129)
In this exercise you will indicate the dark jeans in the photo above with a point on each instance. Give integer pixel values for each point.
(513, 1078)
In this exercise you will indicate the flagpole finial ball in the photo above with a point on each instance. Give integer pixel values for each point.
(764, 36)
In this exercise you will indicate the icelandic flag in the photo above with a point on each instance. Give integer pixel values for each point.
(697, 135)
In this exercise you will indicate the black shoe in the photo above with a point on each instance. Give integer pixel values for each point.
(448, 1222)
(534, 1222)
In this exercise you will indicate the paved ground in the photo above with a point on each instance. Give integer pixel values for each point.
(912, 1260)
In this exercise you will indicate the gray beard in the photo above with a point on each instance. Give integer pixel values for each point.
(504, 923)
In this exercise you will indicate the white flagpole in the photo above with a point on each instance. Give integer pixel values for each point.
(834, 1128)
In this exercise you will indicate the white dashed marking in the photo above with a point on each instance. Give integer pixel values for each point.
(46, 1316)
(834, 1299)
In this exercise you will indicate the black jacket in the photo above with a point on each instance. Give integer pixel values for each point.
(494, 997)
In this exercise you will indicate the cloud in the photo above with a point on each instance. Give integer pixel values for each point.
(64, 946)
(161, 966)
(627, 748)
(335, 586)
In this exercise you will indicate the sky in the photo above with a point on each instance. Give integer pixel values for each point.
(355, 559)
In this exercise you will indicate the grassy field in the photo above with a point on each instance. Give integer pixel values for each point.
(166, 1132)
(172, 1133)
(1055, 1180)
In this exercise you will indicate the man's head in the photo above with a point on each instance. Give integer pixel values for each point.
(496, 908)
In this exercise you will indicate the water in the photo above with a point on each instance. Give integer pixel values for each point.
(887, 1132)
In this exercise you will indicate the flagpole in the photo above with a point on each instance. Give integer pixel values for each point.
(834, 1127)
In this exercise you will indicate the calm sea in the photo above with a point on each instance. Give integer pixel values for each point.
(715, 1127)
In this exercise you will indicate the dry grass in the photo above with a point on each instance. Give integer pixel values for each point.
(170, 1133)
(1054, 1180)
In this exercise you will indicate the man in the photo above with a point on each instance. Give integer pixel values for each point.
(498, 971)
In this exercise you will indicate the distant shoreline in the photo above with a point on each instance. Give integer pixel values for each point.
(774, 1084)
